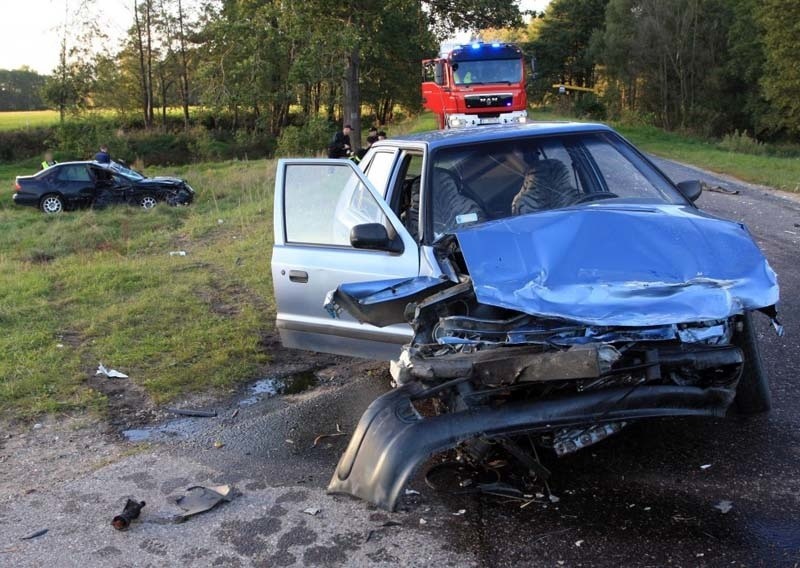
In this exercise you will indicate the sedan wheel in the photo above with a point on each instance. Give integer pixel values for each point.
(147, 202)
(51, 204)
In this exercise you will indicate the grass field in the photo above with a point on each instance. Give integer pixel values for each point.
(27, 119)
(100, 286)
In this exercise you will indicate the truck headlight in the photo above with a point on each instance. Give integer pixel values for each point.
(455, 122)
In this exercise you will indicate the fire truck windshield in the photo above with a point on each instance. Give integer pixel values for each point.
(487, 71)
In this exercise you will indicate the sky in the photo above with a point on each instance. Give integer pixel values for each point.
(29, 29)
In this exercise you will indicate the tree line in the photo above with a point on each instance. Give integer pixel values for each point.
(260, 66)
(710, 66)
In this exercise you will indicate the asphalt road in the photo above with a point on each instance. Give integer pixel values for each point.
(641, 498)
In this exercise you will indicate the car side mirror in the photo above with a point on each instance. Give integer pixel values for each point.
(691, 189)
(373, 236)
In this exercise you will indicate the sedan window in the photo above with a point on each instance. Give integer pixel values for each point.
(74, 173)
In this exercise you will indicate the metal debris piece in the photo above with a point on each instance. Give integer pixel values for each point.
(129, 513)
(218, 444)
(705, 466)
(177, 253)
(719, 189)
(193, 412)
(323, 436)
(392, 524)
(411, 492)
(554, 499)
(578, 543)
(724, 506)
(423, 522)
(110, 373)
(459, 512)
(199, 499)
(311, 511)
(36, 534)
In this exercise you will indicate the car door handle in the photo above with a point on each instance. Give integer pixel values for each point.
(300, 276)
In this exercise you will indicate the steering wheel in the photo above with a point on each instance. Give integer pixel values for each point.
(595, 197)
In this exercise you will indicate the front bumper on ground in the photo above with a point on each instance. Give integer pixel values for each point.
(392, 439)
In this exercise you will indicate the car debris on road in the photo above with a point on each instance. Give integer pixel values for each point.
(131, 511)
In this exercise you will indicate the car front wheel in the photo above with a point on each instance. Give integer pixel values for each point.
(147, 202)
(51, 204)
(752, 394)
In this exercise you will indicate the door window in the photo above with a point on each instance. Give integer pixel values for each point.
(74, 173)
(323, 203)
(379, 171)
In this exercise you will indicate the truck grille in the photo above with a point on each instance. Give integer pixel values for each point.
(489, 100)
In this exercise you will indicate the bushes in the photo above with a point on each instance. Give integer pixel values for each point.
(16, 145)
(742, 142)
(307, 140)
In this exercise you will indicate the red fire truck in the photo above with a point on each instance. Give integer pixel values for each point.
(478, 83)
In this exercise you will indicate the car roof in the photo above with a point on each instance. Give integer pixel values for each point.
(476, 134)
(83, 163)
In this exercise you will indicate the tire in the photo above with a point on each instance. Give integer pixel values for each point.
(51, 204)
(147, 202)
(752, 394)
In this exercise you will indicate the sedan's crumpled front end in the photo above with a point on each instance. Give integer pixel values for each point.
(563, 326)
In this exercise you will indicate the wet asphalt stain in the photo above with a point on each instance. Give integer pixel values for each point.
(297, 536)
(292, 497)
(227, 562)
(248, 537)
(277, 511)
(195, 555)
(154, 546)
(334, 555)
(107, 552)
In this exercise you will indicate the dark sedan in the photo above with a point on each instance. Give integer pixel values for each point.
(72, 185)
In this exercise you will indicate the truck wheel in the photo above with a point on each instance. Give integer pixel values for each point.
(51, 204)
(752, 394)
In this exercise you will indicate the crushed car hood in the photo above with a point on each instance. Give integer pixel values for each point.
(619, 265)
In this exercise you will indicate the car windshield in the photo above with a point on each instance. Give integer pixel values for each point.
(487, 71)
(125, 171)
(500, 179)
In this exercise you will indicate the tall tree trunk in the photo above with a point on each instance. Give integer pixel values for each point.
(352, 97)
(184, 67)
(149, 30)
(142, 70)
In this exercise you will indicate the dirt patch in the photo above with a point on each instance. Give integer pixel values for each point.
(128, 403)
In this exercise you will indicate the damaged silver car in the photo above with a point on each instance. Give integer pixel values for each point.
(542, 280)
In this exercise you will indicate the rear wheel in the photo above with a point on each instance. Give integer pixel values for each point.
(752, 394)
(51, 204)
(147, 202)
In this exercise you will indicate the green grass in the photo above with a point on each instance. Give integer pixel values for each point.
(778, 172)
(91, 286)
(27, 119)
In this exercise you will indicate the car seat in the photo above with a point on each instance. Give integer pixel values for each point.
(546, 186)
(451, 209)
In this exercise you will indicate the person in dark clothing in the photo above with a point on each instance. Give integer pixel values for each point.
(103, 156)
(370, 141)
(340, 145)
(381, 135)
